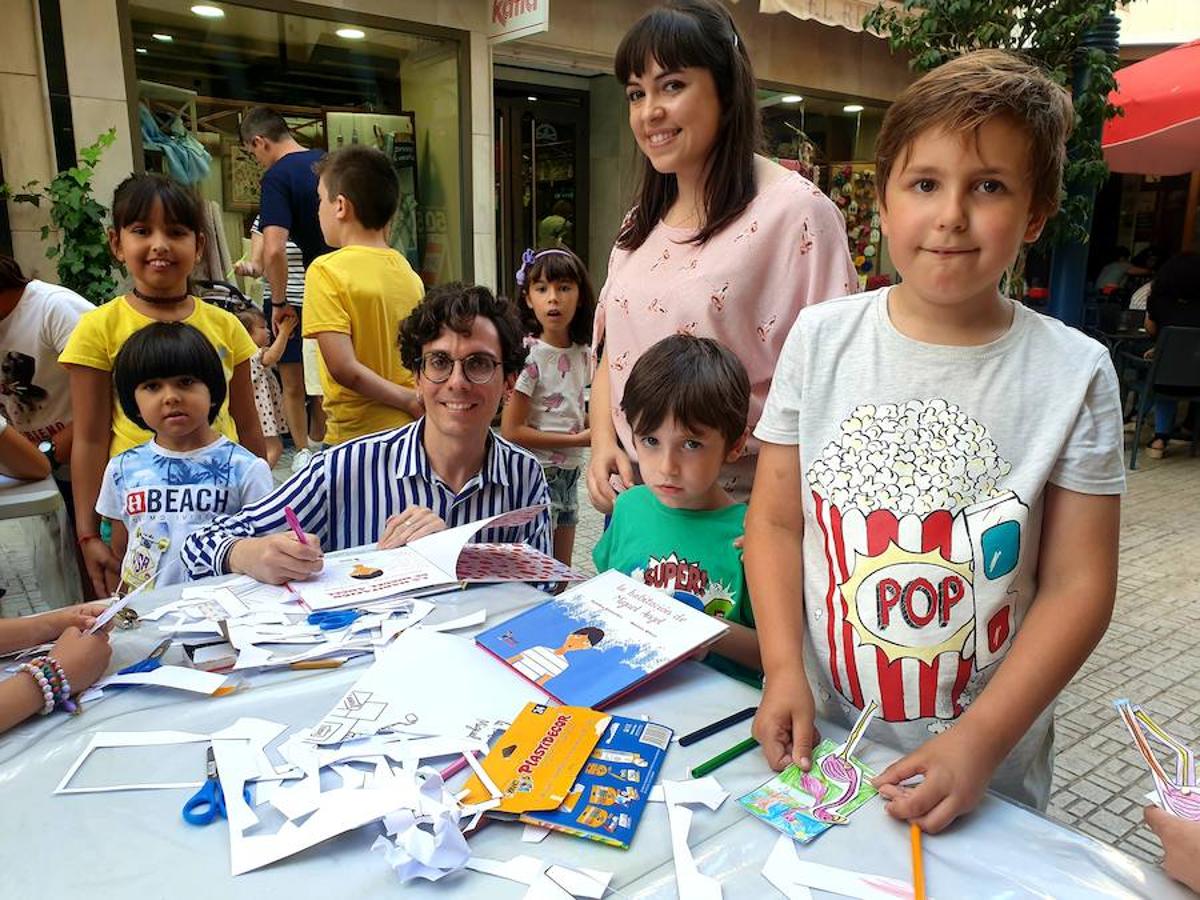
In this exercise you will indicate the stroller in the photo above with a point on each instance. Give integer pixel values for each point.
(225, 295)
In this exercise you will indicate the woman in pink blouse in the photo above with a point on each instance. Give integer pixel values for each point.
(722, 243)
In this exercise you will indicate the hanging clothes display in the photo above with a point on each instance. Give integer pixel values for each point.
(187, 160)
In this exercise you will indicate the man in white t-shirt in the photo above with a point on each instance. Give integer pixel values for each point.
(36, 319)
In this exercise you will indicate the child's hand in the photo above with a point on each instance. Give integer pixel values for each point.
(287, 326)
(103, 567)
(607, 460)
(277, 558)
(280, 314)
(957, 766)
(82, 616)
(415, 522)
(1181, 841)
(84, 657)
(784, 723)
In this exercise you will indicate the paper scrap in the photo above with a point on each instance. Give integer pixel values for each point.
(546, 877)
(794, 877)
(107, 739)
(705, 791)
(339, 811)
(179, 677)
(534, 835)
(469, 620)
(428, 683)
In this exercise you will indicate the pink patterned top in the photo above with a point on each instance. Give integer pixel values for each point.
(744, 288)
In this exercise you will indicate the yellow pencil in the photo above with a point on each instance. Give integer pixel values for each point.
(316, 664)
(917, 865)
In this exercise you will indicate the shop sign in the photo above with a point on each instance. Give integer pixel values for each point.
(513, 19)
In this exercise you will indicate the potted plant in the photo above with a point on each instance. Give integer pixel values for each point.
(82, 257)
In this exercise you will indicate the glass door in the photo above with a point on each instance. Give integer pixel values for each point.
(541, 174)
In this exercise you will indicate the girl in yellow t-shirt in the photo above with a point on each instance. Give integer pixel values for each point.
(158, 234)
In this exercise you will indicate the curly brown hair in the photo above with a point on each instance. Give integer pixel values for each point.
(456, 306)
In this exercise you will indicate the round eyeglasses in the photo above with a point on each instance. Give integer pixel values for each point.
(477, 367)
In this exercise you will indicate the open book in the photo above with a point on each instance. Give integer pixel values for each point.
(363, 574)
(600, 639)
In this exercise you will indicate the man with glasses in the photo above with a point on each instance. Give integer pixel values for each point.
(443, 470)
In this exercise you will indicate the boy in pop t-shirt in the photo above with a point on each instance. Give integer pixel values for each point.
(686, 402)
(356, 297)
(940, 469)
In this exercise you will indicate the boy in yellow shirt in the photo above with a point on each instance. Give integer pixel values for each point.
(356, 297)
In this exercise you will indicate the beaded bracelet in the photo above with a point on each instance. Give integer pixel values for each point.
(63, 685)
(43, 685)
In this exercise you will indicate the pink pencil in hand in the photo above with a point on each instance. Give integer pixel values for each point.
(294, 524)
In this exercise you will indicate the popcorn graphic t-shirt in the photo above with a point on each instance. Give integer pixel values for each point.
(923, 474)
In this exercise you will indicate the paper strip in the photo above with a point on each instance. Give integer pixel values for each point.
(107, 739)
(785, 870)
(178, 677)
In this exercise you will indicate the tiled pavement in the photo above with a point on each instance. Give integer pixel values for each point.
(1148, 655)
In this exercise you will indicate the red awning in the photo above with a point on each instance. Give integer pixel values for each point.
(1160, 131)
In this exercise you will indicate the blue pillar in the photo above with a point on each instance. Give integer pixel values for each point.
(1068, 268)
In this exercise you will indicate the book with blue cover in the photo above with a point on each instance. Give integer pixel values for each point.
(611, 791)
(600, 639)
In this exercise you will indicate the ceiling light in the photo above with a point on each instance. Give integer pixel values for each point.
(165, 38)
(791, 98)
(141, 50)
(852, 108)
(351, 34)
(204, 11)
(531, 98)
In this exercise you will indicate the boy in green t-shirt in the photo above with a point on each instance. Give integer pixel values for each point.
(687, 401)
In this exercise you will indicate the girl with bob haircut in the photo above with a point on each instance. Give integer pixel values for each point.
(720, 242)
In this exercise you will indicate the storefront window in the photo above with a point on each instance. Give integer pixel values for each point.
(337, 85)
(832, 143)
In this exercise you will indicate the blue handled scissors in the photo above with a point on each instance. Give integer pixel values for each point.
(151, 662)
(332, 620)
(209, 802)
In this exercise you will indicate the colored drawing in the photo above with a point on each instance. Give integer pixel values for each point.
(1179, 795)
(803, 804)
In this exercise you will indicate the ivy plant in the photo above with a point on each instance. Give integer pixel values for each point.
(1045, 31)
(81, 256)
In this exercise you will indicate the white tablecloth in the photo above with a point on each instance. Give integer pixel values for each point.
(135, 844)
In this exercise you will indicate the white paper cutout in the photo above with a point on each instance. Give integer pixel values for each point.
(429, 683)
(794, 877)
(692, 883)
(546, 880)
(470, 619)
(178, 677)
(106, 739)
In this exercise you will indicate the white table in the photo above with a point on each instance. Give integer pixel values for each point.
(48, 534)
(28, 498)
(134, 843)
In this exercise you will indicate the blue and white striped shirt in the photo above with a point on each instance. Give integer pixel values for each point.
(345, 495)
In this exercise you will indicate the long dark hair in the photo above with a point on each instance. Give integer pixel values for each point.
(554, 265)
(701, 34)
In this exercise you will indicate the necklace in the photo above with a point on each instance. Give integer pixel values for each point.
(160, 301)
